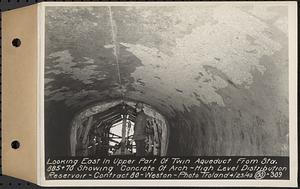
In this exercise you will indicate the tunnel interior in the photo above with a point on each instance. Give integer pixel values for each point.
(218, 75)
(109, 130)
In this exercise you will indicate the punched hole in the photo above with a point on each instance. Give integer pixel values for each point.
(15, 144)
(16, 42)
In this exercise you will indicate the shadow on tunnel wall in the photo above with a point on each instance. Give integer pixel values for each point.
(57, 128)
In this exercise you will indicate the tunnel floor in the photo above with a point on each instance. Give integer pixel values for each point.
(109, 130)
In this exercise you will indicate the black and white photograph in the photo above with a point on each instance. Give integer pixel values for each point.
(148, 83)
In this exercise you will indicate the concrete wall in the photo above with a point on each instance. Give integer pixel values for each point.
(219, 74)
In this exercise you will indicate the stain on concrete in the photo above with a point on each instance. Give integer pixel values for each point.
(179, 90)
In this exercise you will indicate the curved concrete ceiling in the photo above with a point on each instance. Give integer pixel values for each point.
(219, 74)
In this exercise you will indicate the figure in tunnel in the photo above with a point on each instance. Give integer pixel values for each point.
(140, 135)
